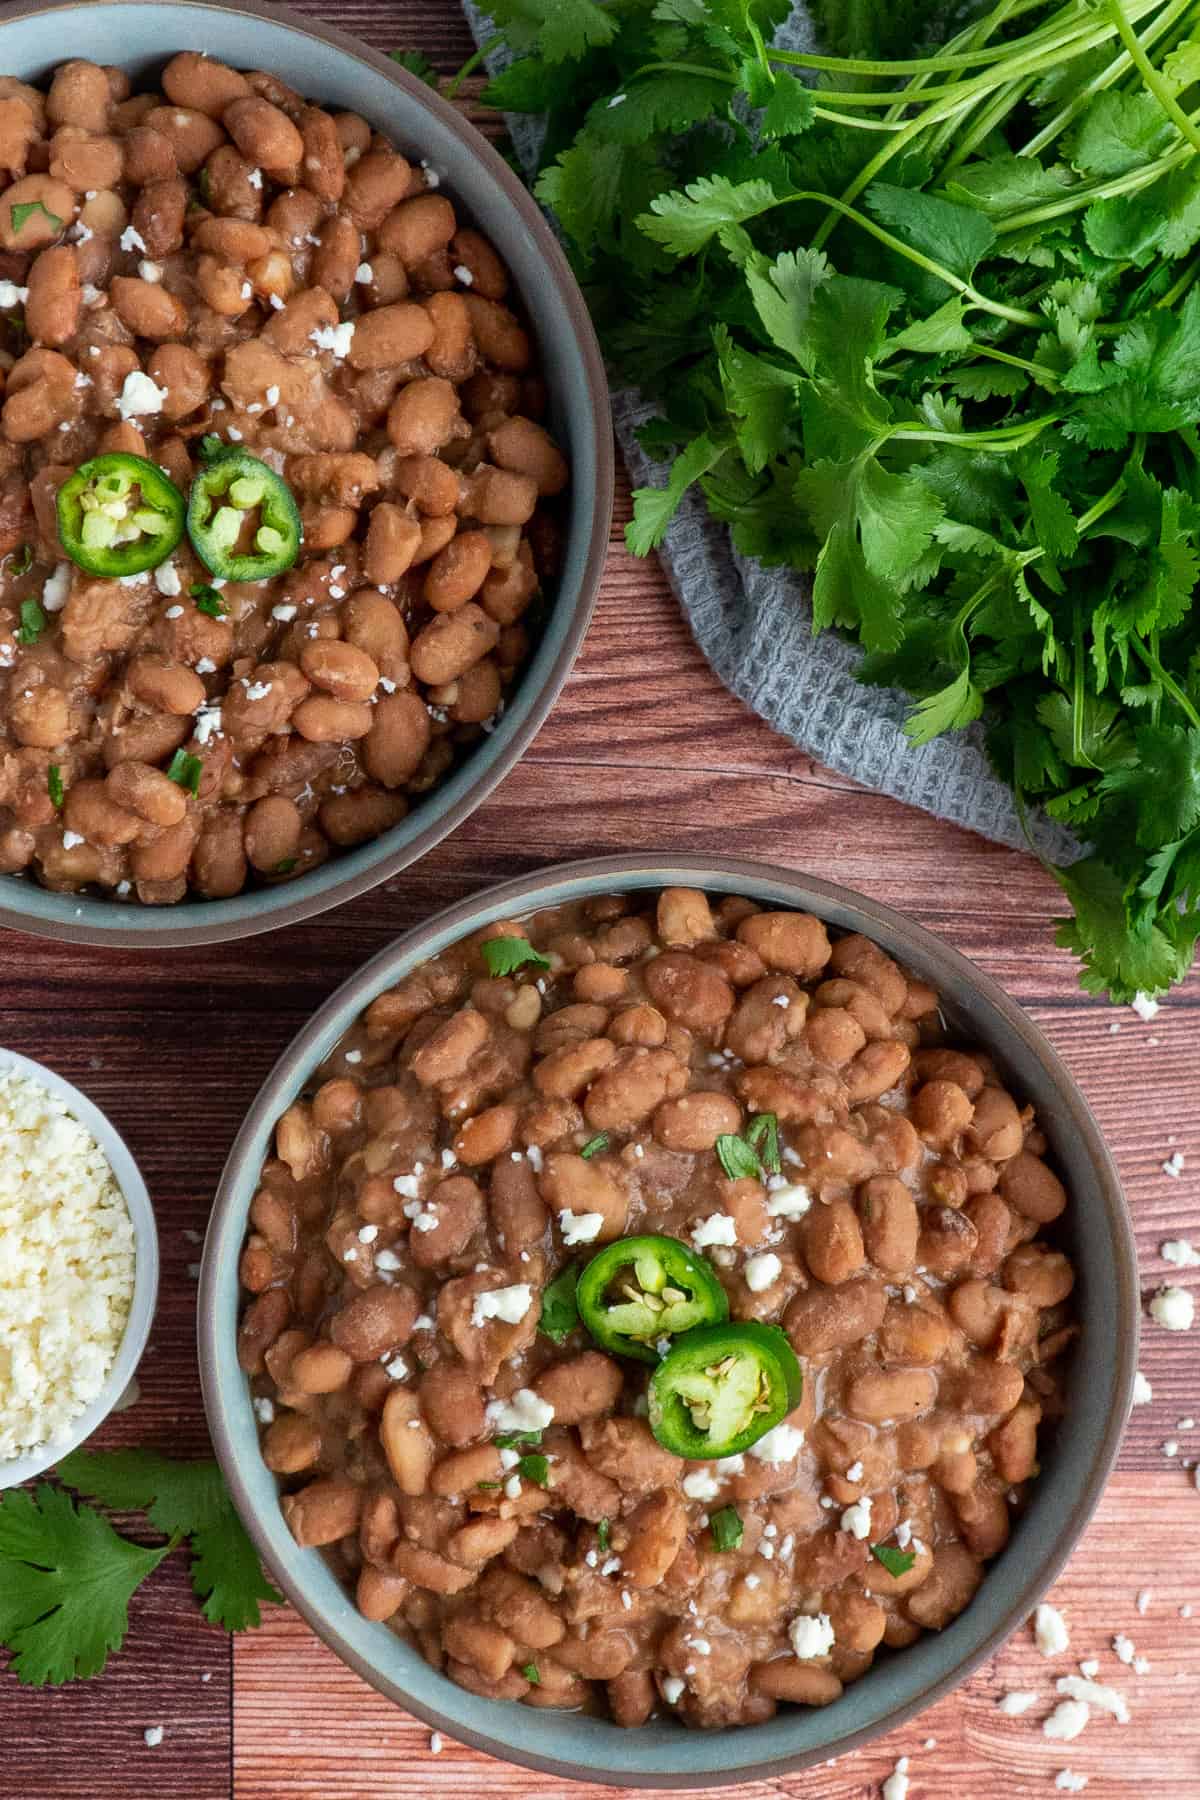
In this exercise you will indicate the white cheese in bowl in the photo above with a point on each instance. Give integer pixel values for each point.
(66, 1271)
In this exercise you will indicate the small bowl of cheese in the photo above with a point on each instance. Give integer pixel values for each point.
(78, 1271)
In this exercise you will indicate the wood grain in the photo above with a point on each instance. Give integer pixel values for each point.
(645, 750)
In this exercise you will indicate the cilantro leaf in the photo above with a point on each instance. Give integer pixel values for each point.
(727, 1528)
(20, 214)
(738, 1158)
(1118, 132)
(505, 955)
(66, 1580)
(183, 1499)
(560, 1312)
(683, 222)
(1117, 959)
(54, 785)
(956, 236)
(668, 102)
(186, 771)
(559, 30)
(530, 1671)
(33, 622)
(761, 397)
(208, 599)
(594, 1146)
(603, 1535)
(534, 1468)
(790, 110)
(896, 1562)
(418, 64)
(654, 508)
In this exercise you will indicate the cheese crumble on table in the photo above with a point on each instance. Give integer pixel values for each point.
(67, 1272)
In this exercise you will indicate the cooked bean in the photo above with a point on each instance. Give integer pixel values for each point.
(322, 1512)
(803, 1683)
(583, 1388)
(375, 1322)
(1032, 1189)
(823, 1319)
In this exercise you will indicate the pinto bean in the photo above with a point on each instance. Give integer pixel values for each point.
(581, 1388)
(323, 1511)
(375, 1323)
(890, 1225)
(821, 1319)
(1032, 1189)
(802, 1683)
(891, 1394)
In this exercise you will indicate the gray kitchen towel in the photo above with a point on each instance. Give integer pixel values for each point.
(755, 627)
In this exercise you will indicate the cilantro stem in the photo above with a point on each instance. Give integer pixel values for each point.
(1049, 56)
(920, 65)
(1168, 683)
(1104, 504)
(1039, 371)
(1077, 199)
(1106, 77)
(999, 440)
(1015, 314)
(471, 64)
(682, 68)
(1150, 75)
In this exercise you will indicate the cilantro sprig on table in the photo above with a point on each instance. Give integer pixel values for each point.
(929, 330)
(67, 1577)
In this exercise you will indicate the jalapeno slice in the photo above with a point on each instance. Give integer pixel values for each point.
(241, 516)
(119, 515)
(721, 1388)
(643, 1289)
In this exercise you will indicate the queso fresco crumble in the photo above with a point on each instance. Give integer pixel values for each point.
(66, 1275)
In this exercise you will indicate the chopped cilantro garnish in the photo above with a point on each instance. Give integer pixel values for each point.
(186, 771)
(21, 212)
(54, 784)
(33, 622)
(727, 1528)
(535, 1468)
(207, 599)
(530, 1672)
(595, 1145)
(603, 1535)
(287, 865)
(560, 1314)
(515, 1440)
(22, 560)
(896, 1562)
(504, 955)
(755, 1153)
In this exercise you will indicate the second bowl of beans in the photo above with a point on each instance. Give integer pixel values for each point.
(870, 1150)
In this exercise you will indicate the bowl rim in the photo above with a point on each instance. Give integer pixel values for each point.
(513, 898)
(144, 1299)
(324, 888)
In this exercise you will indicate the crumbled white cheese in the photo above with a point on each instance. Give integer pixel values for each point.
(507, 1303)
(208, 724)
(285, 614)
(72, 840)
(1143, 1393)
(1018, 1701)
(1170, 1447)
(1174, 1165)
(435, 1737)
(1173, 1308)
(701, 1484)
(1089, 1668)
(153, 1736)
(1145, 1007)
(166, 580)
(896, 1785)
(264, 1410)
(524, 1412)
(1123, 1649)
(133, 240)
(1068, 1782)
(68, 1267)
(811, 1637)
(257, 690)
(11, 295)
(580, 1228)
(337, 338)
(150, 271)
(779, 1445)
(367, 1234)
(407, 1185)
(139, 396)
(464, 275)
(1050, 1631)
(397, 1368)
(791, 1201)
(857, 1518)
(1106, 1699)
(1181, 1253)
(718, 1228)
(762, 1271)
(1067, 1720)
(672, 1688)
(56, 588)
(1142, 1603)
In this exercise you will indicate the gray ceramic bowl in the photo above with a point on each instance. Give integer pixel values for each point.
(664, 1755)
(141, 35)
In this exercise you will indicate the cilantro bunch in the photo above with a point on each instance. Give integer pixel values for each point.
(66, 1577)
(928, 327)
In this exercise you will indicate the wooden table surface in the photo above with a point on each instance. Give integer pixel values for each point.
(645, 750)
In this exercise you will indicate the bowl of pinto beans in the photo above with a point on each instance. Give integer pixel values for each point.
(668, 1320)
(306, 478)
